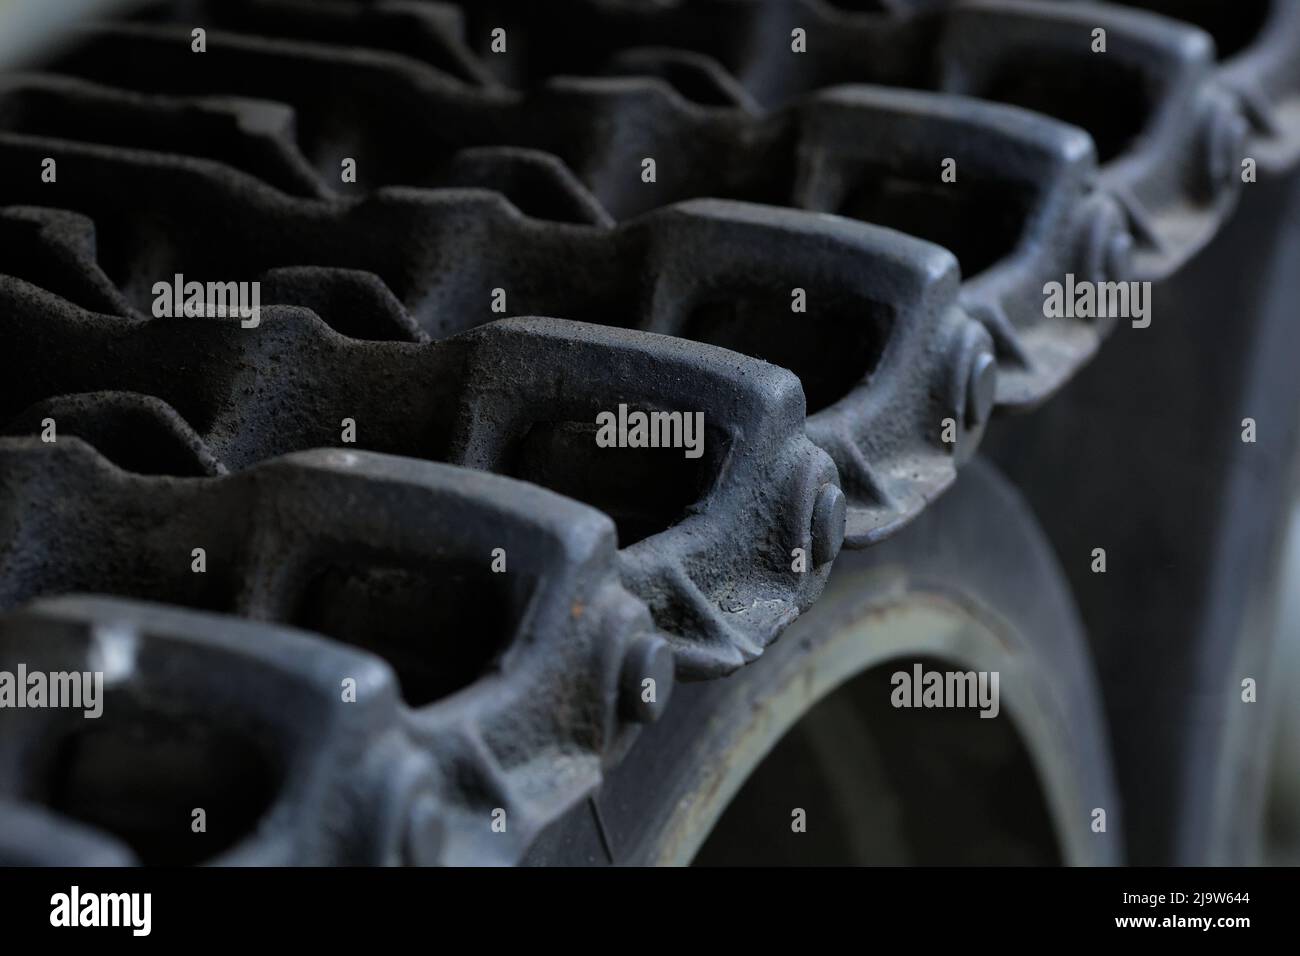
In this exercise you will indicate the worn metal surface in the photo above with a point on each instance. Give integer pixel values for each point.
(972, 584)
(478, 172)
(1168, 134)
(1023, 209)
(1255, 42)
(884, 352)
(500, 690)
(707, 544)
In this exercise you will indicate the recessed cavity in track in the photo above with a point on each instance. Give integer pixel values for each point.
(440, 626)
(1234, 24)
(644, 490)
(1100, 94)
(140, 772)
(980, 222)
(832, 346)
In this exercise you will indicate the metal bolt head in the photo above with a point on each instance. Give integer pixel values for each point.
(648, 657)
(1225, 143)
(422, 841)
(981, 388)
(829, 512)
(1109, 245)
(1119, 255)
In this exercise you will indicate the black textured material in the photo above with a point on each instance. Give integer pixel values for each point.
(704, 544)
(477, 173)
(1022, 210)
(883, 350)
(1168, 133)
(486, 675)
(1255, 42)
